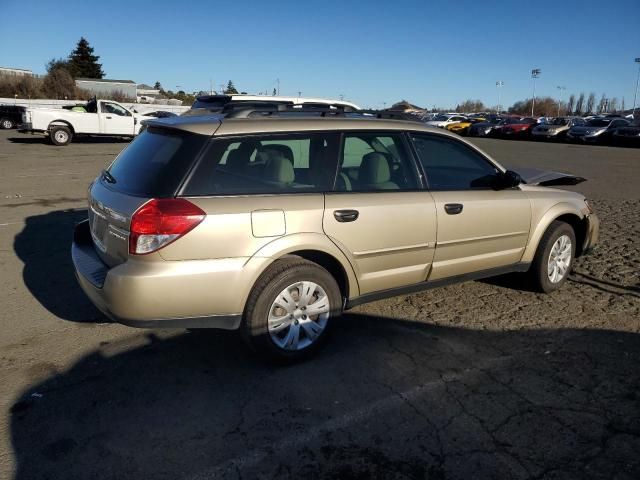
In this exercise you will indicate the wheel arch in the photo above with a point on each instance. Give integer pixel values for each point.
(314, 247)
(61, 123)
(563, 212)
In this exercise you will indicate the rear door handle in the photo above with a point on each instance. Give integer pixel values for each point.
(453, 208)
(108, 117)
(346, 215)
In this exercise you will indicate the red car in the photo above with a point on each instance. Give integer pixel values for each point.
(517, 128)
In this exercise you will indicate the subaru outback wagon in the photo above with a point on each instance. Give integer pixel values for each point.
(275, 225)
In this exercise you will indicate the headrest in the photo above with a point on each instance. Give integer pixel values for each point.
(283, 149)
(374, 169)
(279, 169)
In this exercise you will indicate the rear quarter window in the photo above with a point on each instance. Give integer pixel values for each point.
(156, 162)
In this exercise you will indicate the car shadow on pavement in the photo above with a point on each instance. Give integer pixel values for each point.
(44, 246)
(385, 398)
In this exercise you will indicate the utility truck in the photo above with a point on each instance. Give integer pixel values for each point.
(95, 118)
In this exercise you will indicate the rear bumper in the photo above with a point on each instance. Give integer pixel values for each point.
(160, 294)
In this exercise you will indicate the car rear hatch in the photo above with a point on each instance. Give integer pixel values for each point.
(154, 165)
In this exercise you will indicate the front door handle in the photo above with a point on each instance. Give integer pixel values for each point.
(346, 215)
(108, 117)
(453, 208)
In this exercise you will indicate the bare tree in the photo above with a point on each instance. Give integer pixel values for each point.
(571, 104)
(591, 102)
(470, 106)
(602, 104)
(613, 104)
(622, 108)
(580, 104)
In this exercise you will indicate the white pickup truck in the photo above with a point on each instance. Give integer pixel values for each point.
(96, 117)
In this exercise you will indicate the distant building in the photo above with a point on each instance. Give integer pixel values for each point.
(106, 86)
(146, 93)
(15, 72)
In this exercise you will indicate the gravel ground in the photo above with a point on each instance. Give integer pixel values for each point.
(480, 380)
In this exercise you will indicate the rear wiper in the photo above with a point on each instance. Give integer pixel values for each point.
(108, 177)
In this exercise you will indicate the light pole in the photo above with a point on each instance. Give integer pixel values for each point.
(499, 85)
(635, 95)
(560, 88)
(535, 73)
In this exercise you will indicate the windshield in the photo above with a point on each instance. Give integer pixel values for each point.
(441, 118)
(599, 122)
(560, 121)
(155, 163)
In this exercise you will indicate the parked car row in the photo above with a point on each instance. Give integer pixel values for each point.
(605, 130)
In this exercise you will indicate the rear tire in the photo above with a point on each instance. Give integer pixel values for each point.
(60, 136)
(554, 257)
(277, 322)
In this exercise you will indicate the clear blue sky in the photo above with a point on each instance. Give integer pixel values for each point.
(430, 53)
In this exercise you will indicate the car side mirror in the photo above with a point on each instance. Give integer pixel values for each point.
(509, 179)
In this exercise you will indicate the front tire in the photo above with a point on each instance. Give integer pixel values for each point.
(6, 123)
(60, 136)
(554, 257)
(288, 312)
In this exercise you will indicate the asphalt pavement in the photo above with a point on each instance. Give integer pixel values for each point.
(480, 380)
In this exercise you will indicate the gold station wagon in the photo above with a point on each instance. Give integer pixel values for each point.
(274, 222)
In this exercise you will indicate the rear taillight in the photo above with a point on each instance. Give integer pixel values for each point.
(159, 222)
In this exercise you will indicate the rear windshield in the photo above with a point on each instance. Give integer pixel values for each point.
(155, 163)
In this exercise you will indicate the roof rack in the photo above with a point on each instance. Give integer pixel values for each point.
(289, 109)
(392, 115)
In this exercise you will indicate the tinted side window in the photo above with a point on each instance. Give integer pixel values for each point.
(268, 164)
(451, 165)
(114, 109)
(375, 161)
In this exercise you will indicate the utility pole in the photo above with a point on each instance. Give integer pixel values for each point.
(635, 95)
(535, 73)
(210, 86)
(560, 88)
(278, 83)
(499, 85)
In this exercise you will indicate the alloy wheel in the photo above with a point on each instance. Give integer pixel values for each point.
(559, 259)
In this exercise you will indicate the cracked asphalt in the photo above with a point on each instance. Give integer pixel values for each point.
(480, 380)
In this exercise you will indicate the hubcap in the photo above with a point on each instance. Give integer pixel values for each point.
(559, 259)
(6, 124)
(61, 136)
(298, 315)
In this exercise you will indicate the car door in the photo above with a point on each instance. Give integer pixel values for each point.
(115, 119)
(379, 214)
(479, 228)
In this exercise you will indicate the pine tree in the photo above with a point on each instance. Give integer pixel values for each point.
(157, 86)
(83, 63)
(231, 89)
